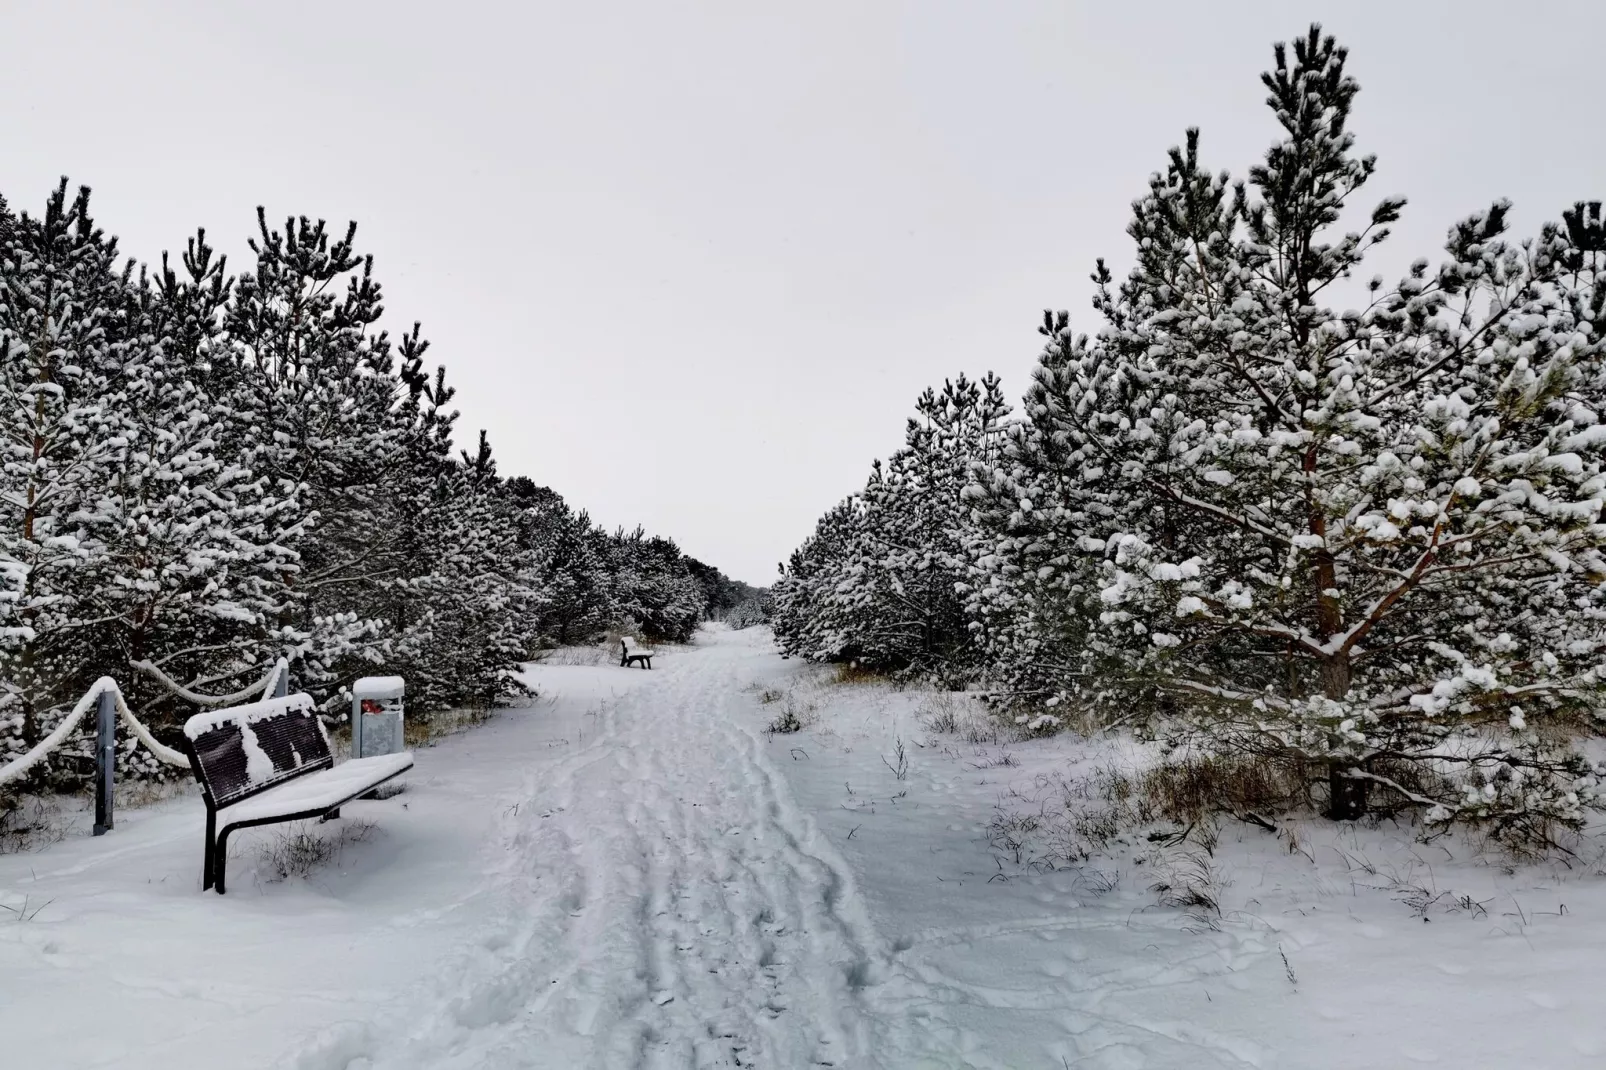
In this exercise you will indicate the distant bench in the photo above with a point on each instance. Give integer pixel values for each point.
(630, 652)
(269, 762)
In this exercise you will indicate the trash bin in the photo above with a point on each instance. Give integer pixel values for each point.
(377, 716)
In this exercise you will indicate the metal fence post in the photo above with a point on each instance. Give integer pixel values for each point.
(356, 724)
(105, 760)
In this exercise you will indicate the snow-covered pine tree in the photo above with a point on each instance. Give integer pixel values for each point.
(195, 561)
(956, 430)
(566, 566)
(1032, 596)
(64, 310)
(314, 410)
(409, 595)
(804, 621)
(477, 623)
(885, 577)
(654, 591)
(1364, 543)
(720, 594)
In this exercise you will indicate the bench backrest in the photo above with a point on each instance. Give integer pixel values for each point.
(239, 752)
(633, 647)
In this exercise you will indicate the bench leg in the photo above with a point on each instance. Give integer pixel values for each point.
(206, 863)
(220, 859)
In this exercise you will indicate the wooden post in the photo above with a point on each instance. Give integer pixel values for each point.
(105, 760)
(281, 685)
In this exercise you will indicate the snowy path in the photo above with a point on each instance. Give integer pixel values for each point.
(666, 904)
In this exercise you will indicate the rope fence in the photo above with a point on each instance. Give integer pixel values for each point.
(107, 699)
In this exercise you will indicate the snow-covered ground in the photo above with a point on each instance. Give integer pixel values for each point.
(633, 872)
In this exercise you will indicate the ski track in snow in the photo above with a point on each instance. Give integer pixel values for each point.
(667, 905)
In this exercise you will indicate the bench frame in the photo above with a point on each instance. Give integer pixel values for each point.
(626, 657)
(215, 860)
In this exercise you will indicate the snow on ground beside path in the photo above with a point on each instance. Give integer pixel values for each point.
(634, 873)
(1355, 948)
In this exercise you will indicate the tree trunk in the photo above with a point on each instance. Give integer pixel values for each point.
(30, 722)
(1335, 677)
(1346, 795)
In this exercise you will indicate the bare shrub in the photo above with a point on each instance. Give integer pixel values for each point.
(27, 823)
(388, 790)
(993, 761)
(1011, 834)
(602, 652)
(900, 761)
(1128, 806)
(134, 794)
(1188, 881)
(424, 730)
(1168, 807)
(303, 847)
(941, 714)
(1098, 881)
(1098, 826)
(1188, 789)
(851, 673)
(796, 714)
(979, 732)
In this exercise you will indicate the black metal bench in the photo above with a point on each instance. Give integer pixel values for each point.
(270, 762)
(630, 652)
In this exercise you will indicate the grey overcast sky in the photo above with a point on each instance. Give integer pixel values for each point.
(690, 264)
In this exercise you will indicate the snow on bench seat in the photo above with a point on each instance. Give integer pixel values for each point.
(322, 790)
